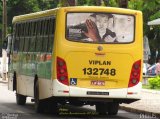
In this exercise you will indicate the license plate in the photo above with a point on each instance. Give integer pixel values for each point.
(98, 83)
(97, 93)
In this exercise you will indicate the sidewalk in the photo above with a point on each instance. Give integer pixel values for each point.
(148, 105)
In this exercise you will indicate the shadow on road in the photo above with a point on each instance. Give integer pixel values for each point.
(67, 111)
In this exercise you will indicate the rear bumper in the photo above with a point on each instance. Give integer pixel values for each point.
(61, 90)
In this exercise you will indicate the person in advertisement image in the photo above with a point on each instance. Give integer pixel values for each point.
(100, 27)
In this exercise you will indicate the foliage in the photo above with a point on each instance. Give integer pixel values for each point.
(62, 3)
(154, 82)
(91, 2)
(82, 2)
(150, 9)
(113, 3)
(19, 7)
(136, 5)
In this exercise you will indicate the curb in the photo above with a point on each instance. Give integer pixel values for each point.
(145, 113)
(150, 91)
(141, 112)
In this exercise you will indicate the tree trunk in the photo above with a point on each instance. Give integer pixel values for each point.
(123, 3)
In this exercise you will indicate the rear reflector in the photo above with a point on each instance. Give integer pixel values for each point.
(135, 74)
(131, 93)
(65, 91)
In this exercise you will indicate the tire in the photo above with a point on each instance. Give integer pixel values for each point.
(101, 108)
(113, 108)
(39, 106)
(14, 83)
(20, 99)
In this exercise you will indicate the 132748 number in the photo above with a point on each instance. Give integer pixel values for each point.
(99, 71)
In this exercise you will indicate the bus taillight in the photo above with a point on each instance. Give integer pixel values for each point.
(135, 74)
(62, 74)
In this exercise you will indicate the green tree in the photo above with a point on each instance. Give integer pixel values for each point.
(53, 4)
(150, 9)
(91, 2)
(43, 4)
(47, 4)
(82, 2)
(63, 3)
(113, 3)
(19, 7)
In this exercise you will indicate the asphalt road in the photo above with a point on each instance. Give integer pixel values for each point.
(10, 110)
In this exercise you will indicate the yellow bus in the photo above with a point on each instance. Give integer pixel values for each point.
(77, 55)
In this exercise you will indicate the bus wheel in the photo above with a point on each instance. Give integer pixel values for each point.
(113, 108)
(39, 107)
(101, 108)
(20, 99)
(14, 82)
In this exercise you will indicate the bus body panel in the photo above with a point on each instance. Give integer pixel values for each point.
(81, 56)
(46, 88)
(61, 90)
(10, 81)
(29, 83)
(105, 72)
(110, 69)
(21, 85)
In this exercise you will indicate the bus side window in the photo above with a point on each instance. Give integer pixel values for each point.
(18, 29)
(16, 40)
(25, 36)
(46, 27)
(15, 30)
(26, 46)
(14, 36)
(32, 38)
(35, 35)
(51, 34)
(15, 33)
(20, 41)
(45, 37)
(38, 40)
(34, 28)
(29, 36)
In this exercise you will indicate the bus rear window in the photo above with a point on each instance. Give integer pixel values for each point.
(100, 27)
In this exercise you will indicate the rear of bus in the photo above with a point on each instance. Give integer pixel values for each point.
(94, 70)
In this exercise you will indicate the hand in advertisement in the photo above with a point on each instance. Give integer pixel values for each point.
(93, 32)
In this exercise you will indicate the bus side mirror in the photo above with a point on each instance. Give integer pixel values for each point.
(7, 43)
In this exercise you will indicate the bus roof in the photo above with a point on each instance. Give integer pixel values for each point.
(34, 15)
(68, 9)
